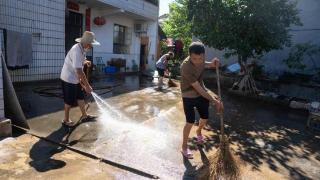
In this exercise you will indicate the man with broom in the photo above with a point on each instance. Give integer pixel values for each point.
(74, 81)
(195, 94)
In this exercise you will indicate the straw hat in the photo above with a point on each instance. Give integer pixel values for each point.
(88, 38)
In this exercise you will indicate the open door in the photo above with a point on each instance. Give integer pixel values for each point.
(142, 57)
(144, 53)
(73, 28)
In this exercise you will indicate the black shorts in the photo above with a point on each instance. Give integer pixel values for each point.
(72, 93)
(202, 105)
(160, 72)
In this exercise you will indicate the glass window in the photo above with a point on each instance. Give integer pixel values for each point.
(119, 39)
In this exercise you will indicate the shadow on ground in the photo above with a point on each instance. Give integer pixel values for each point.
(194, 171)
(42, 152)
(264, 133)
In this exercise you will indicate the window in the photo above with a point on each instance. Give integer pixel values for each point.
(121, 39)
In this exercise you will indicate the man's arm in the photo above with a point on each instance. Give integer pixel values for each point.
(215, 62)
(83, 80)
(196, 85)
(208, 64)
(212, 98)
(87, 63)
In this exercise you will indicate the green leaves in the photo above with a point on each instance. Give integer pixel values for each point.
(177, 25)
(248, 28)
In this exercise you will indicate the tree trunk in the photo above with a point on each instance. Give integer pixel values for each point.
(246, 83)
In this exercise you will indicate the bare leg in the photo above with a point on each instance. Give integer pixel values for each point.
(202, 124)
(160, 83)
(82, 105)
(66, 112)
(186, 132)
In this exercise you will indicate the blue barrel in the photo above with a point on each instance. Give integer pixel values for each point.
(110, 69)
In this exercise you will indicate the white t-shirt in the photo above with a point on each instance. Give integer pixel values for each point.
(74, 59)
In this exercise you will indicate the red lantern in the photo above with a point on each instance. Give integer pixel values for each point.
(73, 6)
(99, 21)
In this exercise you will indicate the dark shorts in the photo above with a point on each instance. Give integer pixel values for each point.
(202, 105)
(72, 93)
(160, 72)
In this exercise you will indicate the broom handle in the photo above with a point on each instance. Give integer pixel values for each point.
(219, 94)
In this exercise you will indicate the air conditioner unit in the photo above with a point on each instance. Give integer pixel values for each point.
(140, 28)
(137, 28)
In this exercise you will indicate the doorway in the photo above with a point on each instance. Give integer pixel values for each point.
(142, 57)
(144, 53)
(73, 28)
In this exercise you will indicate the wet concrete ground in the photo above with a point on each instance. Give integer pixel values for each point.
(141, 133)
(26, 157)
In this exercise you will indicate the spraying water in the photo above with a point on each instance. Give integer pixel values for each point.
(104, 106)
(114, 121)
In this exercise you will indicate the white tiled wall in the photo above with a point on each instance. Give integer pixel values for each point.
(153, 35)
(44, 17)
(104, 34)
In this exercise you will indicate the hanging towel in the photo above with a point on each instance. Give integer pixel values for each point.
(19, 50)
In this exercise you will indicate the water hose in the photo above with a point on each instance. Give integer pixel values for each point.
(92, 156)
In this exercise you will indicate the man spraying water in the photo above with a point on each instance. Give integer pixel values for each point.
(74, 81)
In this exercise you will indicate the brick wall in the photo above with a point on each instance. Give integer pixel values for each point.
(45, 19)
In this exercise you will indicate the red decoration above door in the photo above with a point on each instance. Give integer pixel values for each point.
(73, 6)
(99, 21)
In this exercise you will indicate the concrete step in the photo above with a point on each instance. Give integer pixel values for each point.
(5, 128)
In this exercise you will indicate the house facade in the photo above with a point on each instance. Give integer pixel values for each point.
(126, 29)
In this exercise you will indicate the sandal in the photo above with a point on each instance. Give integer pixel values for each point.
(200, 139)
(187, 154)
(68, 123)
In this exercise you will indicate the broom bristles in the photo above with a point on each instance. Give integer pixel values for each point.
(223, 165)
